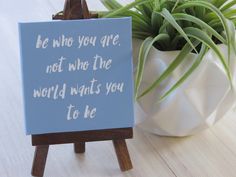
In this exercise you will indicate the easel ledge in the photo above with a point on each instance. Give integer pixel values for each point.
(77, 9)
(82, 136)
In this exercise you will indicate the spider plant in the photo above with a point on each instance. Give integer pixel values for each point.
(185, 25)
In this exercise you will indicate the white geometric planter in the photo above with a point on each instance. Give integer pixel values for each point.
(203, 99)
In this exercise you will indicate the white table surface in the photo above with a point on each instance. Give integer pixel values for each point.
(211, 153)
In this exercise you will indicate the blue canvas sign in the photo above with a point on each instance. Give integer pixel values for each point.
(77, 75)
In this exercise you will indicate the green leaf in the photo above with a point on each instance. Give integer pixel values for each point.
(225, 24)
(182, 16)
(228, 5)
(232, 41)
(200, 12)
(125, 8)
(141, 35)
(172, 19)
(176, 4)
(204, 38)
(157, 5)
(143, 53)
(218, 3)
(230, 13)
(156, 21)
(188, 72)
(146, 9)
(168, 17)
(176, 62)
(111, 4)
(145, 23)
(175, 41)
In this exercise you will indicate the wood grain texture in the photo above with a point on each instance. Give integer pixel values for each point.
(211, 153)
(122, 154)
(39, 162)
(84, 136)
(79, 147)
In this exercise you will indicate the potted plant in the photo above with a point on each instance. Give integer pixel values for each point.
(184, 62)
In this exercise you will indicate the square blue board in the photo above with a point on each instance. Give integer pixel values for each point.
(77, 75)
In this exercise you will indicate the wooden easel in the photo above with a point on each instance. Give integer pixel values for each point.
(77, 9)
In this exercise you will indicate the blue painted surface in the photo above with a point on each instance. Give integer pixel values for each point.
(50, 114)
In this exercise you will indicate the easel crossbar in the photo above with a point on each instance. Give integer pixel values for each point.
(82, 136)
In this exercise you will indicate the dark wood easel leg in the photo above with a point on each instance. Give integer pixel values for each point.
(122, 154)
(40, 157)
(79, 147)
